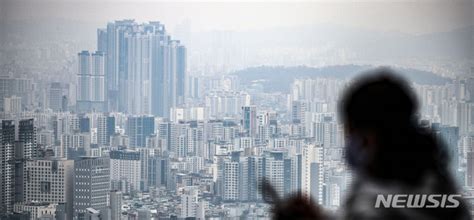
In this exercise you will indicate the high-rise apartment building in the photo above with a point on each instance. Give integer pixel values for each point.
(249, 120)
(7, 156)
(252, 175)
(189, 202)
(146, 69)
(232, 178)
(464, 118)
(158, 170)
(91, 87)
(231, 181)
(274, 170)
(325, 132)
(27, 139)
(102, 39)
(298, 109)
(102, 130)
(83, 82)
(312, 172)
(126, 166)
(18, 143)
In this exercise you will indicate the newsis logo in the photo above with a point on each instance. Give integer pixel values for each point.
(417, 201)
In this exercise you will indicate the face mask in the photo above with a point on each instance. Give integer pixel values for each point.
(356, 155)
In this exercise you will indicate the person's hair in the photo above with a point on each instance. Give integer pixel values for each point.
(382, 103)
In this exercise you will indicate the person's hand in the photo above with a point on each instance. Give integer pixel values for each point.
(296, 206)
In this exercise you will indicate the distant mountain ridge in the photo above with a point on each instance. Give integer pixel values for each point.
(279, 78)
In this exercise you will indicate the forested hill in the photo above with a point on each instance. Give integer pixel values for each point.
(278, 78)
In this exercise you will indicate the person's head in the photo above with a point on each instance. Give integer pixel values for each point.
(382, 140)
(376, 100)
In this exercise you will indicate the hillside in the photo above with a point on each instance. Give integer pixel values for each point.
(278, 78)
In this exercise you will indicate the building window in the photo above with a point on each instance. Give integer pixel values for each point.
(45, 187)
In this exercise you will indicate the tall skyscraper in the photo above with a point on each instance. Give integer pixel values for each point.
(102, 39)
(91, 185)
(84, 82)
(116, 61)
(146, 69)
(91, 90)
(181, 77)
(138, 84)
(98, 85)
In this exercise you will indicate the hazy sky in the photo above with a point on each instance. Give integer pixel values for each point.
(416, 16)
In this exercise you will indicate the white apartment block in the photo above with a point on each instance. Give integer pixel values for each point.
(126, 165)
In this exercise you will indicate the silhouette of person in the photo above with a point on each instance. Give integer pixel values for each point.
(388, 153)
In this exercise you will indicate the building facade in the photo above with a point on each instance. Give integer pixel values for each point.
(91, 185)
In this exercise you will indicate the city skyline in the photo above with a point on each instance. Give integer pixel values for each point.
(162, 110)
(252, 34)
